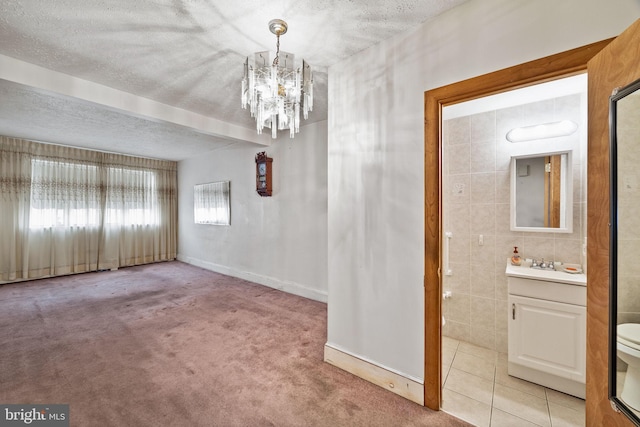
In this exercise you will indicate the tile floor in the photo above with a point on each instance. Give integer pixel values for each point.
(621, 376)
(477, 389)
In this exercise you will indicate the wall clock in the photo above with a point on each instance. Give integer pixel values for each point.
(263, 174)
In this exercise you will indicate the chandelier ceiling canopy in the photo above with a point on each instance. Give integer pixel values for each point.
(277, 89)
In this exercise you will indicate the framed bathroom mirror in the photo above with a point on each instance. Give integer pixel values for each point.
(624, 321)
(542, 193)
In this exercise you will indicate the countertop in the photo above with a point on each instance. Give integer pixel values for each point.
(526, 272)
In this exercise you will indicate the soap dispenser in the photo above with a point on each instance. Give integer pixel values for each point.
(515, 258)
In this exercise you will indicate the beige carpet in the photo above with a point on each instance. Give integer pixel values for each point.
(174, 345)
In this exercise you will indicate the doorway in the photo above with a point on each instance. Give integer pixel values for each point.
(546, 69)
(476, 204)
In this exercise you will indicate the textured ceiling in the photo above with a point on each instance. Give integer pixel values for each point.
(184, 53)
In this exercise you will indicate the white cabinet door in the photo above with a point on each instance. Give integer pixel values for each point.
(548, 336)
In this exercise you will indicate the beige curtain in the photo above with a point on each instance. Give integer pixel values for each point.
(141, 211)
(70, 210)
(15, 193)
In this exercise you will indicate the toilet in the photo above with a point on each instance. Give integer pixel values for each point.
(628, 349)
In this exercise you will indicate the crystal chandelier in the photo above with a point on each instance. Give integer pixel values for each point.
(276, 90)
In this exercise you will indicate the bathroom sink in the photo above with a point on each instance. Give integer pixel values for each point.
(557, 275)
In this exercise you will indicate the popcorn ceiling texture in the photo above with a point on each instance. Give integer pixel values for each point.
(42, 116)
(189, 54)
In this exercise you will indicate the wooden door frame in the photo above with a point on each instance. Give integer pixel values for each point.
(541, 70)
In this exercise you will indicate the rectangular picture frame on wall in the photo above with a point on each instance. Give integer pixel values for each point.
(211, 203)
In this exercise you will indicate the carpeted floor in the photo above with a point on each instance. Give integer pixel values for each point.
(174, 345)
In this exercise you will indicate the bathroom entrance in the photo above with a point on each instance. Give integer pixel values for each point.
(469, 200)
(479, 204)
(491, 169)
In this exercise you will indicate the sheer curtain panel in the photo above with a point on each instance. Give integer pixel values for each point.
(140, 211)
(15, 193)
(70, 210)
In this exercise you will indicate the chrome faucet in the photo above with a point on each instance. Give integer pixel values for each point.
(542, 265)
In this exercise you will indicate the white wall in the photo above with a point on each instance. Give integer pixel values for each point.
(376, 155)
(278, 241)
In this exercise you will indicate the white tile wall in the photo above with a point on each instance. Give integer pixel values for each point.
(476, 198)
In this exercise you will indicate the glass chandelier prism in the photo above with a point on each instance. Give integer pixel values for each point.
(275, 89)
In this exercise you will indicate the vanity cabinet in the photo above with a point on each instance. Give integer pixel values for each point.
(547, 329)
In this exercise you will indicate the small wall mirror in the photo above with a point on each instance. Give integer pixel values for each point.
(542, 193)
(624, 321)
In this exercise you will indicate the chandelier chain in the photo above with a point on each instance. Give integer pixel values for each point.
(277, 58)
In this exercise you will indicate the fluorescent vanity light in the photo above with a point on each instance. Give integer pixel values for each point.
(547, 130)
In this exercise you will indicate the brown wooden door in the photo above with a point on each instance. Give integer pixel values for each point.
(615, 66)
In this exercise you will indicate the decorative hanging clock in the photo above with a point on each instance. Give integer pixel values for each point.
(263, 174)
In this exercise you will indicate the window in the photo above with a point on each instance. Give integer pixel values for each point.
(64, 194)
(67, 194)
(211, 203)
(131, 197)
(67, 210)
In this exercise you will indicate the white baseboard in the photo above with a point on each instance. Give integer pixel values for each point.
(386, 378)
(285, 286)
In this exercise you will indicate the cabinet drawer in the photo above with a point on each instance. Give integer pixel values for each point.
(550, 291)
